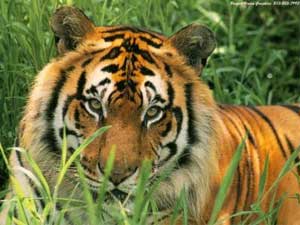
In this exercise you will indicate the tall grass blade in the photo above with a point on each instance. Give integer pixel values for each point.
(226, 182)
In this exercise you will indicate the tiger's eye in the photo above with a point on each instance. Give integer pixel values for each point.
(153, 112)
(95, 104)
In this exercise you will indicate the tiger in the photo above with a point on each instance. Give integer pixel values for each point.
(148, 88)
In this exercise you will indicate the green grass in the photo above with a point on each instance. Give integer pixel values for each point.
(29, 212)
(256, 62)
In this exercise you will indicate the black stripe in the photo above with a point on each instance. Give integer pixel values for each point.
(19, 158)
(127, 45)
(192, 132)
(179, 118)
(184, 159)
(171, 95)
(268, 121)
(150, 42)
(238, 194)
(172, 147)
(133, 59)
(92, 90)
(49, 136)
(68, 132)
(67, 104)
(77, 119)
(150, 85)
(168, 70)
(124, 66)
(104, 81)
(146, 55)
(113, 68)
(167, 130)
(121, 85)
(132, 85)
(83, 107)
(249, 173)
(111, 96)
(86, 62)
(80, 85)
(38, 196)
(140, 94)
(117, 98)
(113, 37)
(221, 106)
(120, 96)
(88, 168)
(131, 47)
(50, 140)
(293, 108)
(113, 53)
(239, 185)
(253, 116)
(56, 91)
(133, 30)
(236, 127)
(158, 98)
(97, 51)
(236, 111)
(123, 28)
(250, 136)
(152, 34)
(248, 169)
(292, 149)
(147, 72)
(103, 92)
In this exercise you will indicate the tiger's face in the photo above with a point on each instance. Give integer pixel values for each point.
(141, 83)
(128, 85)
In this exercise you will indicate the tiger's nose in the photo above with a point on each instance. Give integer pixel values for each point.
(119, 175)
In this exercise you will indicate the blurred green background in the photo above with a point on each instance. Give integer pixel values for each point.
(257, 60)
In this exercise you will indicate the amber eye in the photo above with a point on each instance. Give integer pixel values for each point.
(95, 105)
(153, 112)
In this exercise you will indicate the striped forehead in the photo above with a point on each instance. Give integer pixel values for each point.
(126, 33)
(130, 53)
(127, 64)
(102, 85)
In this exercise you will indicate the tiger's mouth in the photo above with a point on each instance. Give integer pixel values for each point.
(113, 195)
(120, 195)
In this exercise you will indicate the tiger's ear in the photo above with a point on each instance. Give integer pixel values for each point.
(69, 25)
(195, 42)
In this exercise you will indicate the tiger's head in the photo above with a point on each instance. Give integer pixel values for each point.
(145, 86)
